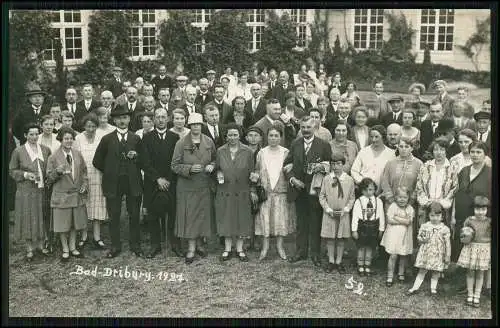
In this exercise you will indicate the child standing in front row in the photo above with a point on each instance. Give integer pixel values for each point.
(476, 256)
(435, 249)
(337, 198)
(398, 236)
(368, 224)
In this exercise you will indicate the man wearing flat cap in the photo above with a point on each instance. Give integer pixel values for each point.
(30, 113)
(396, 113)
(115, 84)
(179, 93)
(118, 157)
(444, 98)
(483, 128)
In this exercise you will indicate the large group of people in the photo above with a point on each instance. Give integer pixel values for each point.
(248, 157)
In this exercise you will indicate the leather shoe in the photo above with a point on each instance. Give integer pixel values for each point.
(331, 267)
(138, 252)
(153, 253)
(316, 261)
(201, 252)
(297, 258)
(112, 254)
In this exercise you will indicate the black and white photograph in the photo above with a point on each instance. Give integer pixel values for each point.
(249, 163)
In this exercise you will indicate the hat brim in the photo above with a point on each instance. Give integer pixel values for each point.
(395, 100)
(32, 93)
(120, 114)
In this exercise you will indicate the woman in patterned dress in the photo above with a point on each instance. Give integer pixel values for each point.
(27, 167)
(87, 142)
(276, 216)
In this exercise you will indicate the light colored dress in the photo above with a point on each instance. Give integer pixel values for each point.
(369, 165)
(329, 197)
(276, 216)
(477, 254)
(398, 238)
(96, 202)
(432, 254)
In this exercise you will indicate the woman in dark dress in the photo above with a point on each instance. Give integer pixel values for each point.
(473, 180)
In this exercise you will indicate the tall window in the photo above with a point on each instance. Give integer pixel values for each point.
(299, 16)
(201, 19)
(143, 33)
(67, 25)
(436, 29)
(368, 28)
(256, 23)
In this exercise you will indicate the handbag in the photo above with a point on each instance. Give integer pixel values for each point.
(261, 194)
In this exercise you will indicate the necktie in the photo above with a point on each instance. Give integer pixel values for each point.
(123, 141)
(307, 146)
(395, 117)
(336, 183)
(216, 133)
(130, 107)
(254, 105)
(161, 135)
(37, 111)
(481, 136)
(73, 108)
(434, 127)
(68, 159)
(369, 209)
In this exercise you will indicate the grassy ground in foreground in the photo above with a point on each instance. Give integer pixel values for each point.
(273, 288)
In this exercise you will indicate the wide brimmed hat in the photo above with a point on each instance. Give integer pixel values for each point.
(439, 82)
(211, 71)
(445, 125)
(424, 103)
(181, 78)
(117, 68)
(35, 90)
(195, 118)
(395, 98)
(482, 115)
(119, 111)
(419, 86)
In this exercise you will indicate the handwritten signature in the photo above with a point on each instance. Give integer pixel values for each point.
(356, 287)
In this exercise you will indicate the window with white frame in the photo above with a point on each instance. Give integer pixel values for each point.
(299, 16)
(368, 28)
(143, 34)
(67, 25)
(436, 29)
(256, 22)
(201, 19)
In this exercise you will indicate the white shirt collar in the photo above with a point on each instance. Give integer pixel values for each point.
(121, 131)
(132, 103)
(217, 102)
(310, 140)
(161, 131)
(36, 108)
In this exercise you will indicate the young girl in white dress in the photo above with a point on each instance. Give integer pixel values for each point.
(435, 249)
(476, 255)
(398, 235)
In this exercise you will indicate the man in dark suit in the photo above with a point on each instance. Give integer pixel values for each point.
(337, 83)
(332, 115)
(283, 87)
(115, 84)
(483, 128)
(446, 129)
(309, 155)
(189, 105)
(444, 98)
(396, 113)
(273, 115)
(393, 135)
(213, 129)
(158, 149)
(428, 129)
(212, 82)
(30, 113)
(377, 102)
(225, 109)
(118, 158)
(421, 110)
(273, 80)
(135, 109)
(204, 96)
(256, 107)
(85, 106)
(162, 80)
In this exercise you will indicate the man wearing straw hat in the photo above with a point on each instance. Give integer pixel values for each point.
(31, 113)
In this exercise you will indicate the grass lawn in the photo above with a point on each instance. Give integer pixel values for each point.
(273, 288)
